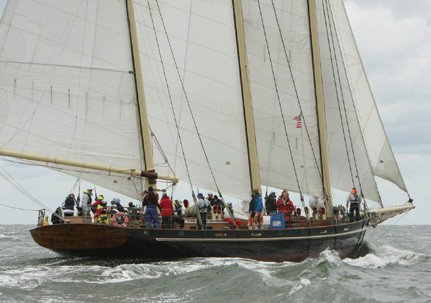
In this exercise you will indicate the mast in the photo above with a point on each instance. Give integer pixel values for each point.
(148, 161)
(320, 105)
(246, 96)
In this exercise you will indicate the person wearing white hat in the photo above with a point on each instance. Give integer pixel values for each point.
(86, 202)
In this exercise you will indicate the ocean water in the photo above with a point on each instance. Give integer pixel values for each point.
(393, 266)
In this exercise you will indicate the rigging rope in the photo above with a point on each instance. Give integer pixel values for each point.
(391, 226)
(335, 67)
(295, 89)
(318, 167)
(186, 98)
(21, 189)
(279, 99)
(25, 209)
(328, 6)
(169, 91)
(190, 110)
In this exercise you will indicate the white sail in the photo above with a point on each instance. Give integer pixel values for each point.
(379, 150)
(67, 90)
(276, 167)
(202, 37)
(352, 115)
(66, 85)
(349, 162)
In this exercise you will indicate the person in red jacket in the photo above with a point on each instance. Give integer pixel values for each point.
(167, 209)
(285, 205)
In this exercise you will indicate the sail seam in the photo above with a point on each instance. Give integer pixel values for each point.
(66, 66)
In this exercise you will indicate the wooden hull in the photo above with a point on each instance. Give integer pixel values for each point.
(292, 244)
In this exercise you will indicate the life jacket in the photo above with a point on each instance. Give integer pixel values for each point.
(90, 200)
(103, 218)
(98, 208)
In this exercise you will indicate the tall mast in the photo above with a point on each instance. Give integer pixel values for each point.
(246, 95)
(148, 161)
(320, 105)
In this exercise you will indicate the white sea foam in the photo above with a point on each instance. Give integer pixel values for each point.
(330, 256)
(265, 270)
(302, 283)
(129, 272)
(3, 236)
(386, 255)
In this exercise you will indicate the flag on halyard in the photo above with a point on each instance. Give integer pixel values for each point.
(298, 121)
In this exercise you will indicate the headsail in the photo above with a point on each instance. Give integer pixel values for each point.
(379, 150)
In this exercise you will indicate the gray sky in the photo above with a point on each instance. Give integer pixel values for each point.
(393, 37)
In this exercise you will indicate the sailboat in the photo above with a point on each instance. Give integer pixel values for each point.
(224, 95)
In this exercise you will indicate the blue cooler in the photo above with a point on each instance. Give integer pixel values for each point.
(277, 221)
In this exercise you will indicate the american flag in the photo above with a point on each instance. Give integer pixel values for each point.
(298, 121)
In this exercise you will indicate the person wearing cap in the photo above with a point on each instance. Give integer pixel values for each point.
(203, 205)
(86, 202)
(354, 201)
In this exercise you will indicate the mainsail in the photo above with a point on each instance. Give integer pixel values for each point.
(195, 77)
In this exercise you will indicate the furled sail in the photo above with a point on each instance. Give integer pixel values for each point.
(197, 45)
(67, 87)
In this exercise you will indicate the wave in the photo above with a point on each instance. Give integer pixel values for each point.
(7, 237)
(387, 256)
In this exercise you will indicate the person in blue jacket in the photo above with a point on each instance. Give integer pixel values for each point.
(258, 210)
